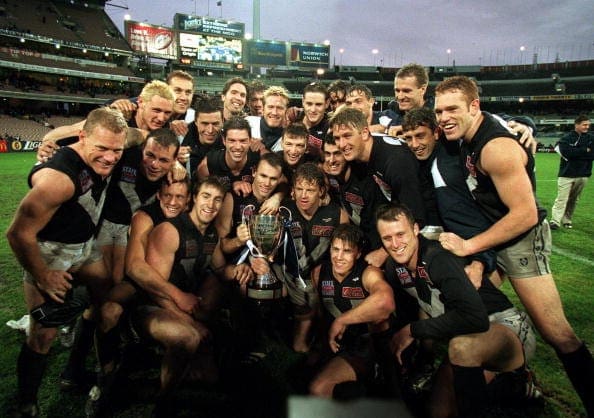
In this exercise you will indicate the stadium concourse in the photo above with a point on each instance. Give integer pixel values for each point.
(60, 59)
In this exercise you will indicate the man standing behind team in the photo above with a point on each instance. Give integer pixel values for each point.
(501, 178)
(577, 152)
(52, 234)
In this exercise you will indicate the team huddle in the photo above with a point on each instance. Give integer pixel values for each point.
(401, 226)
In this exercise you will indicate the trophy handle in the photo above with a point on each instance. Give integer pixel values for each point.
(287, 210)
(252, 208)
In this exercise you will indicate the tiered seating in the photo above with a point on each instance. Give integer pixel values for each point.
(23, 128)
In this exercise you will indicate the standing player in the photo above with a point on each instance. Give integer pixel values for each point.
(501, 178)
(52, 235)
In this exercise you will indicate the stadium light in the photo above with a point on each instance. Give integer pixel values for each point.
(248, 36)
(326, 42)
(127, 16)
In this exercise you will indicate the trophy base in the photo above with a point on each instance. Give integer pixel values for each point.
(264, 293)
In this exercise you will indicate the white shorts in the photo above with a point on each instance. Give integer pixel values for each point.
(66, 257)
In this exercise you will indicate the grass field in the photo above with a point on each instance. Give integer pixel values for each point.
(572, 263)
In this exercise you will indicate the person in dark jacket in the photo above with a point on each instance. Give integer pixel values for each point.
(577, 152)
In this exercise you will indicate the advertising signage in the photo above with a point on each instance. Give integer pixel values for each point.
(208, 25)
(205, 48)
(155, 41)
(310, 55)
(266, 53)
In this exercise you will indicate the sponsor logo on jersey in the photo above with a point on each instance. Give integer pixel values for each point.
(128, 175)
(326, 220)
(422, 272)
(470, 166)
(354, 198)
(209, 247)
(327, 288)
(384, 187)
(85, 180)
(296, 229)
(321, 230)
(353, 293)
(356, 279)
(314, 141)
(404, 277)
(191, 248)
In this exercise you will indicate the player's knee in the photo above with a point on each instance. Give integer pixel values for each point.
(561, 338)
(461, 352)
(110, 315)
(40, 339)
(321, 388)
(184, 337)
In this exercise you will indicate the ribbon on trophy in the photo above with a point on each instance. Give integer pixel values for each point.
(290, 264)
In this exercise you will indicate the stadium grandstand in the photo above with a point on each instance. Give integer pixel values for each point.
(61, 58)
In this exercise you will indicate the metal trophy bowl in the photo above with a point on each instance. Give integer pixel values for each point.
(266, 236)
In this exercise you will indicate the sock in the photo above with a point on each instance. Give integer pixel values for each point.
(387, 363)
(579, 367)
(30, 368)
(84, 331)
(471, 390)
(108, 346)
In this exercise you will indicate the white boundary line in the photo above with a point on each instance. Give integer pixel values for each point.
(573, 256)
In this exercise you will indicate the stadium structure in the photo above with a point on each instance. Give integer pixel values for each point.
(61, 58)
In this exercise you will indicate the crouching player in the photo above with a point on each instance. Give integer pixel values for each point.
(485, 333)
(355, 300)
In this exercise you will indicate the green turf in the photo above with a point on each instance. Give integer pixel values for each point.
(572, 273)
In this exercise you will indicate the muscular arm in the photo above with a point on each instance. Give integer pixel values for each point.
(377, 306)
(344, 216)
(241, 273)
(50, 189)
(202, 169)
(224, 225)
(374, 309)
(62, 132)
(504, 161)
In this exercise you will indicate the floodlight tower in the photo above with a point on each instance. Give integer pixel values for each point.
(256, 19)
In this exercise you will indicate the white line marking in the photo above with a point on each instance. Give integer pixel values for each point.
(569, 254)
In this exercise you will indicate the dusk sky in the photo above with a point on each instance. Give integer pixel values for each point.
(428, 32)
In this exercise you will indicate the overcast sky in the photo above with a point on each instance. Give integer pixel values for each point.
(473, 31)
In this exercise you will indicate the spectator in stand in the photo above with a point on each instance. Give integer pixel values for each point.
(577, 152)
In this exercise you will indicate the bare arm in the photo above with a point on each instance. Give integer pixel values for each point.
(344, 216)
(62, 132)
(504, 161)
(50, 189)
(202, 169)
(374, 309)
(224, 225)
(241, 273)
(162, 243)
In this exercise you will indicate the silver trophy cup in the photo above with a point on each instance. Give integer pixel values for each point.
(266, 236)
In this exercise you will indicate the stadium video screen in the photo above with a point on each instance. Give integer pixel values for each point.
(206, 48)
(152, 40)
